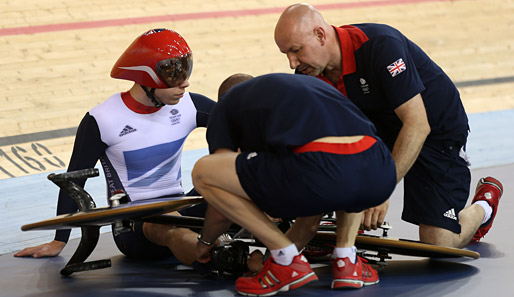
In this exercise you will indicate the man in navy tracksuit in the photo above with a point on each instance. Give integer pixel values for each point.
(417, 111)
(276, 149)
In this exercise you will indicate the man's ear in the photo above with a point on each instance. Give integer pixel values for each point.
(320, 35)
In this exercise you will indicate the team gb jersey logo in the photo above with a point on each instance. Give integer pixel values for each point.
(175, 116)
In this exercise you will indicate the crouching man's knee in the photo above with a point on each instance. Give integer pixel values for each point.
(200, 174)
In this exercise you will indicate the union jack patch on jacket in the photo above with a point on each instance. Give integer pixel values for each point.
(397, 67)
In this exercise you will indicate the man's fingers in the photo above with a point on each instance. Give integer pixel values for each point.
(367, 220)
(21, 253)
(204, 259)
(44, 250)
(380, 217)
(374, 221)
(371, 220)
(254, 261)
(202, 253)
(26, 252)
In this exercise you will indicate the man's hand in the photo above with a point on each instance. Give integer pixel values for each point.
(374, 217)
(215, 223)
(203, 252)
(254, 262)
(50, 249)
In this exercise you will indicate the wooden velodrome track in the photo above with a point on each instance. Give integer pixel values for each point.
(55, 56)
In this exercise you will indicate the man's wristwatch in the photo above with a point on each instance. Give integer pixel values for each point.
(203, 241)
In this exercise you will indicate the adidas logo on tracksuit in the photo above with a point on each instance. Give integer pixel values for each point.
(127, 130)
(450, 214)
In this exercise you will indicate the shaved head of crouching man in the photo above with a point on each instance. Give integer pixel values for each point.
(231, 81)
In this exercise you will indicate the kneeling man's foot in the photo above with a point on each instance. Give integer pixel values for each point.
(347, 275)
(275, 278)
(490, 190)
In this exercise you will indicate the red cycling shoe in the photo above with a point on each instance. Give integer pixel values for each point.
(490, 190)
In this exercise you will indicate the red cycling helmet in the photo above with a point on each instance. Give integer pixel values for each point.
(158, 59)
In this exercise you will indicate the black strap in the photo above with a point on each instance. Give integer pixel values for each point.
(151, 95)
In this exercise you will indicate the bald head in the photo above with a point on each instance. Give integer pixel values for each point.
(309, 42)
(298, 19)
(231, 81)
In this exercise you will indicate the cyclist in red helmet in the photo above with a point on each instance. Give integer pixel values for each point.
(138, 136)
(158, 59)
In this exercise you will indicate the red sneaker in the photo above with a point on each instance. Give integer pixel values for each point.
(275, 278)
(347, 275)
(490, 190)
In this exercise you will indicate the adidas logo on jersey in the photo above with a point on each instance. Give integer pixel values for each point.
(127, 130)
(450, 214)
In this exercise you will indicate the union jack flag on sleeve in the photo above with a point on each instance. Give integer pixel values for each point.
(397, 67)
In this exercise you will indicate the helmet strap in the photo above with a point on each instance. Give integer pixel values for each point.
(151, 95)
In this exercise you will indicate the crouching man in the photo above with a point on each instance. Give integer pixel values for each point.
(291, 146)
